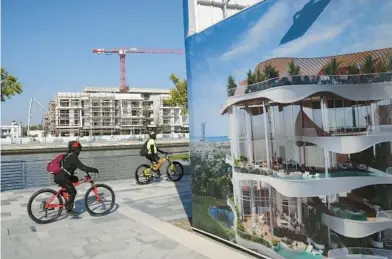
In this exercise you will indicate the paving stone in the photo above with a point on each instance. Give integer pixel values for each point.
(114, 236)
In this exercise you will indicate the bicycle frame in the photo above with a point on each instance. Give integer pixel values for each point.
(62, 191)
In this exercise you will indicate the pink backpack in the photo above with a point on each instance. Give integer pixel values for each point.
(55, 166)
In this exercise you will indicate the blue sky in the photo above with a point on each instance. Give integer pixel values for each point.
(48, 46)
(237, 44)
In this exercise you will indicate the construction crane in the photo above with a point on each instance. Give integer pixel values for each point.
(122, 52)
(32, 100)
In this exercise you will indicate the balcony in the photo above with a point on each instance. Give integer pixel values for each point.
(294, 183)
(319, 80)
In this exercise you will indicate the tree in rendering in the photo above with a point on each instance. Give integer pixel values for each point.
(178, 95)
(231, 83)
(10, 85)
(353, 70)
(293, 69)
(270, 71)
(332, 68)
(259, 76)
(367, 66)
(250, 77)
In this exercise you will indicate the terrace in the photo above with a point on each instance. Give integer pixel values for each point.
(314, 80)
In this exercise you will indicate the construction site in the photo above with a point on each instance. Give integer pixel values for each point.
(99, 111)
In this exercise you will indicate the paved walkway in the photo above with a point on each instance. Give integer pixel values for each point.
(138, 228)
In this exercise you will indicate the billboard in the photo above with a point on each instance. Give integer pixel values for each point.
(290, 107)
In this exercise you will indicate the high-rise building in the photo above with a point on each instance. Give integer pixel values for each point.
(106, 111)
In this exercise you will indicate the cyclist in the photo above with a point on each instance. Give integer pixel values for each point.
(152, 150)
(67, 176)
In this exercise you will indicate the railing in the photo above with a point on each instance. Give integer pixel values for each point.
(366, 252)
(26, 174)
(231, 91)
(318, 80)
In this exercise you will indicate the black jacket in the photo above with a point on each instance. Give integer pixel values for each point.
(71, 162)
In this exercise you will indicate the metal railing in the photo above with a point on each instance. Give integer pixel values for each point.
(18, 174)
(319, 80)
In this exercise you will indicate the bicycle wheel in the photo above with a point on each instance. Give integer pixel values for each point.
(104, 191)
(143, 174)
(175, 171)
(57, 203)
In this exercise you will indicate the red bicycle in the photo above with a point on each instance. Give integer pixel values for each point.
(49, 205)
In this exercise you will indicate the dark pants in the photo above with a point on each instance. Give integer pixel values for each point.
(65, 180)
(153, 157)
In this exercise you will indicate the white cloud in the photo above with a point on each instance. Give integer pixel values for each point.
(371, 37)
(260, 32)
(315, 36)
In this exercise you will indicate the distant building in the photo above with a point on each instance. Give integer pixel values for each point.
(106, 111)
(14, 130)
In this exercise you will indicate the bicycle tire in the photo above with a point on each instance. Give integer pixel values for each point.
(137, 176)
(180, 175)
(30, 213)
(89, 211)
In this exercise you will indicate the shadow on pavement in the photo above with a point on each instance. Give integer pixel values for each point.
(184, 190)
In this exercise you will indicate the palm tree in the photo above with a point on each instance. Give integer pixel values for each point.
(332, 68)
(293, 69)
(250, 77)
(231, 82)
(270, 72)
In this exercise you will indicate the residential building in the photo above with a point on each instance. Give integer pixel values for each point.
(312, 155)
(14, 130)
(106, 111)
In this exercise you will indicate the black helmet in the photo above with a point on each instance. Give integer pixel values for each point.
(152, 135)
(74, 147)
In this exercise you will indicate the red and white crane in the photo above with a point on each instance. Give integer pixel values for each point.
(122, 52)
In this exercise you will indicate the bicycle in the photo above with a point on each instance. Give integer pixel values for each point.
(48, 205)
(171, 171)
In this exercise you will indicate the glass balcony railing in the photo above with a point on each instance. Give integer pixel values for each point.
(317, 80)
(304, 174)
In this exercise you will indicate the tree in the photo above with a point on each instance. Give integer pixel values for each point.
(250, 78)
(368, 65)
(259, 76)
(352, 70)
(270, 71)
(293, 69)
(332, 68)
(390, 61)
(178, 95)
(231, 83)
(10, 85)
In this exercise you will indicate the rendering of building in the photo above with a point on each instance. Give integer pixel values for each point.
(106, 111)
(14, 130)
(316, 145)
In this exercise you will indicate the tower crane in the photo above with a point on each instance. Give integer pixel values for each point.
(122, 52)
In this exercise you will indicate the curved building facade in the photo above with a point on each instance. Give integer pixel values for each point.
(290, 108)
(315, 145)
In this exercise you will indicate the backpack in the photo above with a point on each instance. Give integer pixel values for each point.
(144, 150)
(55, 166)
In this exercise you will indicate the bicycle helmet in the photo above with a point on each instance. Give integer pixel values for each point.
(74, 147)
(152, 135)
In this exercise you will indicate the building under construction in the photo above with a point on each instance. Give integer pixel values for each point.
(107, 111)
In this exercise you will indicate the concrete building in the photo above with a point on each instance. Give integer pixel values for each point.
(106, 111)
(14, 130)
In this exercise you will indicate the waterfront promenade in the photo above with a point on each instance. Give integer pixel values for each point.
(142, 225)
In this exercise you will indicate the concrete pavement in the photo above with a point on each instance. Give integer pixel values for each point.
(138, 227)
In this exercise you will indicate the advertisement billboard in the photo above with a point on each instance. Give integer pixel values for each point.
(290, 106)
